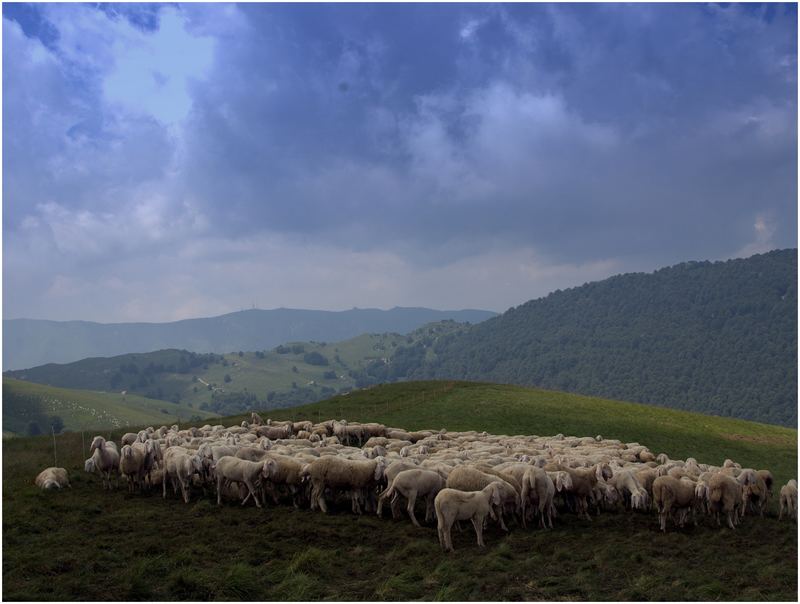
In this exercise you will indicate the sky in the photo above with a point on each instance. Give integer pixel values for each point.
(162, 162)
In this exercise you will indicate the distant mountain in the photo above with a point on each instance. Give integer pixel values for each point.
(32, 342)
(715, 337)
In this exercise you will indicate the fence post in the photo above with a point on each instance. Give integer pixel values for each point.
(55, 458)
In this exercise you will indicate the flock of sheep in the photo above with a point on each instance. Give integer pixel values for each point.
(460, 476)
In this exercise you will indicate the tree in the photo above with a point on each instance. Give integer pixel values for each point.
(315, 358)
(227, 378)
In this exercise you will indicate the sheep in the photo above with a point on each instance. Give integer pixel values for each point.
(583, 483)
(251, 453)
(50, 478)
(274, 432)
(285, 471)
(131, 465)
(452, 505)
(232, 469)
(179, 467)
(467, 478)
(632, 491)
(756, 496)
(128, 438)
(537, 490)
(725, 495)
(411, 484)
(106, 458)
(788, 499)
(673, 494)
(333, 472)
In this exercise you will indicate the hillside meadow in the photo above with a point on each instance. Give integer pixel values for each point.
(84, 543)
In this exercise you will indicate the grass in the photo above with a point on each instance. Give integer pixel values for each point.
(88, 544)
(86, 409)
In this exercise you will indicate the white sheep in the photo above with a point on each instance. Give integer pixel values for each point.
(412, 484)
(452, 505)
(788, 498)
(106, 458)
(52, 478)
(232, 469)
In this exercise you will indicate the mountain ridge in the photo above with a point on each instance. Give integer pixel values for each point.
(33, 342)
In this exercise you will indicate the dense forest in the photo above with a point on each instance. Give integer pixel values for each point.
(715, 337)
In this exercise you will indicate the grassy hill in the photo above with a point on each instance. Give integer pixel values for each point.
(162, 549)
(715, 337)
(25, 403)
(288, 375)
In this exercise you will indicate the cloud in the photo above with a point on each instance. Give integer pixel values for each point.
(316, 154)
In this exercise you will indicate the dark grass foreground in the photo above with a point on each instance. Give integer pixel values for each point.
(86, 544)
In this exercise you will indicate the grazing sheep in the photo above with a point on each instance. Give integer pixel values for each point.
(232, 469)
(788, 499)
(52, 478)
(632, 491)
(452, 505)
(583, 484)
(335, 472)
(128, 438)
(411, 484)
(105, 457)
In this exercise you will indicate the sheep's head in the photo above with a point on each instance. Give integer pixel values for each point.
(88, 465)
(380, 468)
(98, 442)
(603, 471)
(268, 468)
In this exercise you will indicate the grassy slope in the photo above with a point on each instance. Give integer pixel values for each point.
(84, 409)
(156, 549)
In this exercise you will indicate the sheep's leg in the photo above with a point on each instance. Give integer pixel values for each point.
(184, 490)
(164, 485)
(220, 484)
(478, 524)
(252, 492)
(395, 506)
(412, 499)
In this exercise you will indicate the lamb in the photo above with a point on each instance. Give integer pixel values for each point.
(336, 472)
(232, 469)
(452, 505)
(106, 458)
(466, 478)
(673, 494)
(788, 499)
(411, 484)
(52, 478)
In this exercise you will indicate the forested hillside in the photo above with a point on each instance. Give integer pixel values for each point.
(719, 338)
